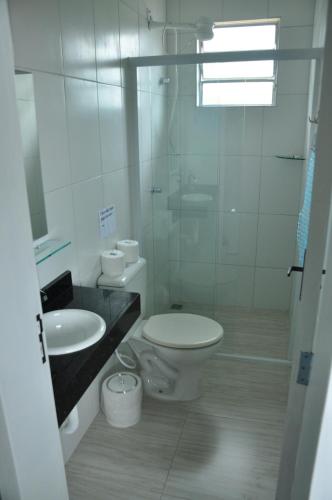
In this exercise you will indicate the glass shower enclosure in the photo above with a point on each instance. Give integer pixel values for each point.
(219, 188)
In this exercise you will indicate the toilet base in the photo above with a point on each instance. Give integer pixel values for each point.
(185, 388)
(170, 374)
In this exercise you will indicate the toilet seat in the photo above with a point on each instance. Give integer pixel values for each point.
(182, 331)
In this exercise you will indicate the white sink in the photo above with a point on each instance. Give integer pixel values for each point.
(196, 197)
(71, 330)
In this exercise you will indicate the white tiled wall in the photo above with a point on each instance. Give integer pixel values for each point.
(75, 49)
(236, 246)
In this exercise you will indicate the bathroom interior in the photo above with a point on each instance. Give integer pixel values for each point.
(207, 165)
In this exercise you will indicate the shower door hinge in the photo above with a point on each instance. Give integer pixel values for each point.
(40, 338)
(303, 376)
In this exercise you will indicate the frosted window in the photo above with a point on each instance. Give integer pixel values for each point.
(247, 83)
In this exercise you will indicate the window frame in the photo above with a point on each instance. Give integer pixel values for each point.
(201, 81)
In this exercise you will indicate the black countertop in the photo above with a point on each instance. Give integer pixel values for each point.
(73, 373)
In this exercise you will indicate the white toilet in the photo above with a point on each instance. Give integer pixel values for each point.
(171, 348)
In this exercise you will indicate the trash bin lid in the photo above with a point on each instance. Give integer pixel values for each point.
(122, 383)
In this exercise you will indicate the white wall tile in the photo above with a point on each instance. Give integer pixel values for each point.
(191, 11)
(198, 236)
(198, 283)
(276, 240)
(150, 41)
(174, 125)
(158, 8)
(174, 228)
(36, 34)
(129, 41)
(187, 75)
(107, 33)
(147, 252)
(144, 118)
(88, 200)
(199, 128)
(237, 239)
(295, 37)
(272, 289)
(61, 223)
(199, 170)
(52, 130)
(239, 183)
(280, 186)
(146, 47)
(159, 125)
(240, 9)
(83, 128)
(112, 127)
(133, 4)
(284, 126)
(175, 282)
(173, 10)
(78, 40)
(161, 240)
(160, 178)
(293, 76)
(24, 84)
(241, 131)
(116, 192)
(234, 286)
(293, 12)
(146, 185)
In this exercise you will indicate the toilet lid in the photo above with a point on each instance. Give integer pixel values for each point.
(185, 331)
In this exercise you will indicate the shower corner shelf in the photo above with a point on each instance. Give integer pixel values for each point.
(48, 248)
(290, 157)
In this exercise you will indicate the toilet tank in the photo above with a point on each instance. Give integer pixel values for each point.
(134, 279)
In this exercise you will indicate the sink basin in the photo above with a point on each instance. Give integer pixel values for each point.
(196, 197)
(71, 330)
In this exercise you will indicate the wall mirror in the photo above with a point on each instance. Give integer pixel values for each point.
(29, 132)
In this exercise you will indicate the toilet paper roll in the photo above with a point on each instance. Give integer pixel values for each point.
(113, 263)
(131, 250)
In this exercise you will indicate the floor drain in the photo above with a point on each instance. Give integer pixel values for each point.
(176, 306)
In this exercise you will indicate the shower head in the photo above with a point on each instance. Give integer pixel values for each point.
(202, 29)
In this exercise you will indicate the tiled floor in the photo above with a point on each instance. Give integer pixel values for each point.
(225, 445)
(256, 333)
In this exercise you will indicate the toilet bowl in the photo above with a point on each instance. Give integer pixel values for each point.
(171, 351)
(171, 348)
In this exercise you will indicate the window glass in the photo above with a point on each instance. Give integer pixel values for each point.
(244, 83)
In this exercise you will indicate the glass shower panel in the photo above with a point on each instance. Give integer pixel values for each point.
(220, 207)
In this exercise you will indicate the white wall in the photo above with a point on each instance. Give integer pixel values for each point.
(237, 252)
(75, 48)
(76, 51)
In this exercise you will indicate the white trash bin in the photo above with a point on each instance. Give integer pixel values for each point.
(122, 399)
